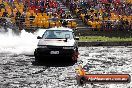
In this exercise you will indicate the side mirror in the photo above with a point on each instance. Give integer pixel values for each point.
(65, 40)
(76, 38)
(39, 37)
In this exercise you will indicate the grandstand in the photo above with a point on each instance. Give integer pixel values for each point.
(103, 14)
(100, 15)
(33, 14)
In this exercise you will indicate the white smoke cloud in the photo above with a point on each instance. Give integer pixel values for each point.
(25, 43)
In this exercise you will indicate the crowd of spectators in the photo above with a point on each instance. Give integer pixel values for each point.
(97, 14)
(33, 13)
(103, 14)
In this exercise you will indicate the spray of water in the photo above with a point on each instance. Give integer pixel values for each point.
(25, 43)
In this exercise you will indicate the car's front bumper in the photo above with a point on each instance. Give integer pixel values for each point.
(54, 52)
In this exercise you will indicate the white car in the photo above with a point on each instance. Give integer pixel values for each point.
(57, 43)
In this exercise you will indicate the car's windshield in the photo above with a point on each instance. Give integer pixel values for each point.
(58, 34)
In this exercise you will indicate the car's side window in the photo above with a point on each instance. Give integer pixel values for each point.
(45, 34)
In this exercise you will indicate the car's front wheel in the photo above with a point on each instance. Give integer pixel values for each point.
(37, 56)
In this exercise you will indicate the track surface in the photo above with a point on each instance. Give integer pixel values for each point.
(20, 71)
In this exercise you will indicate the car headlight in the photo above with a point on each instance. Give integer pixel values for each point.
(42, 46)
(68, 47)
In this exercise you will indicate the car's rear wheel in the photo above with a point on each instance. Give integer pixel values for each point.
(75, 56)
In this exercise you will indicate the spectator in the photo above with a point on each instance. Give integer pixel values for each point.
(5, 14)
(17, 18)
(18, 14)
(22, 17)
(69, 16)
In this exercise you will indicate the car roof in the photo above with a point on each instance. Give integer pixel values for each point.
(61, 28)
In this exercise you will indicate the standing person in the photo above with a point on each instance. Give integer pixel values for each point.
(31, 18)
(122, 24)
(17, 18)
(55, 17)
